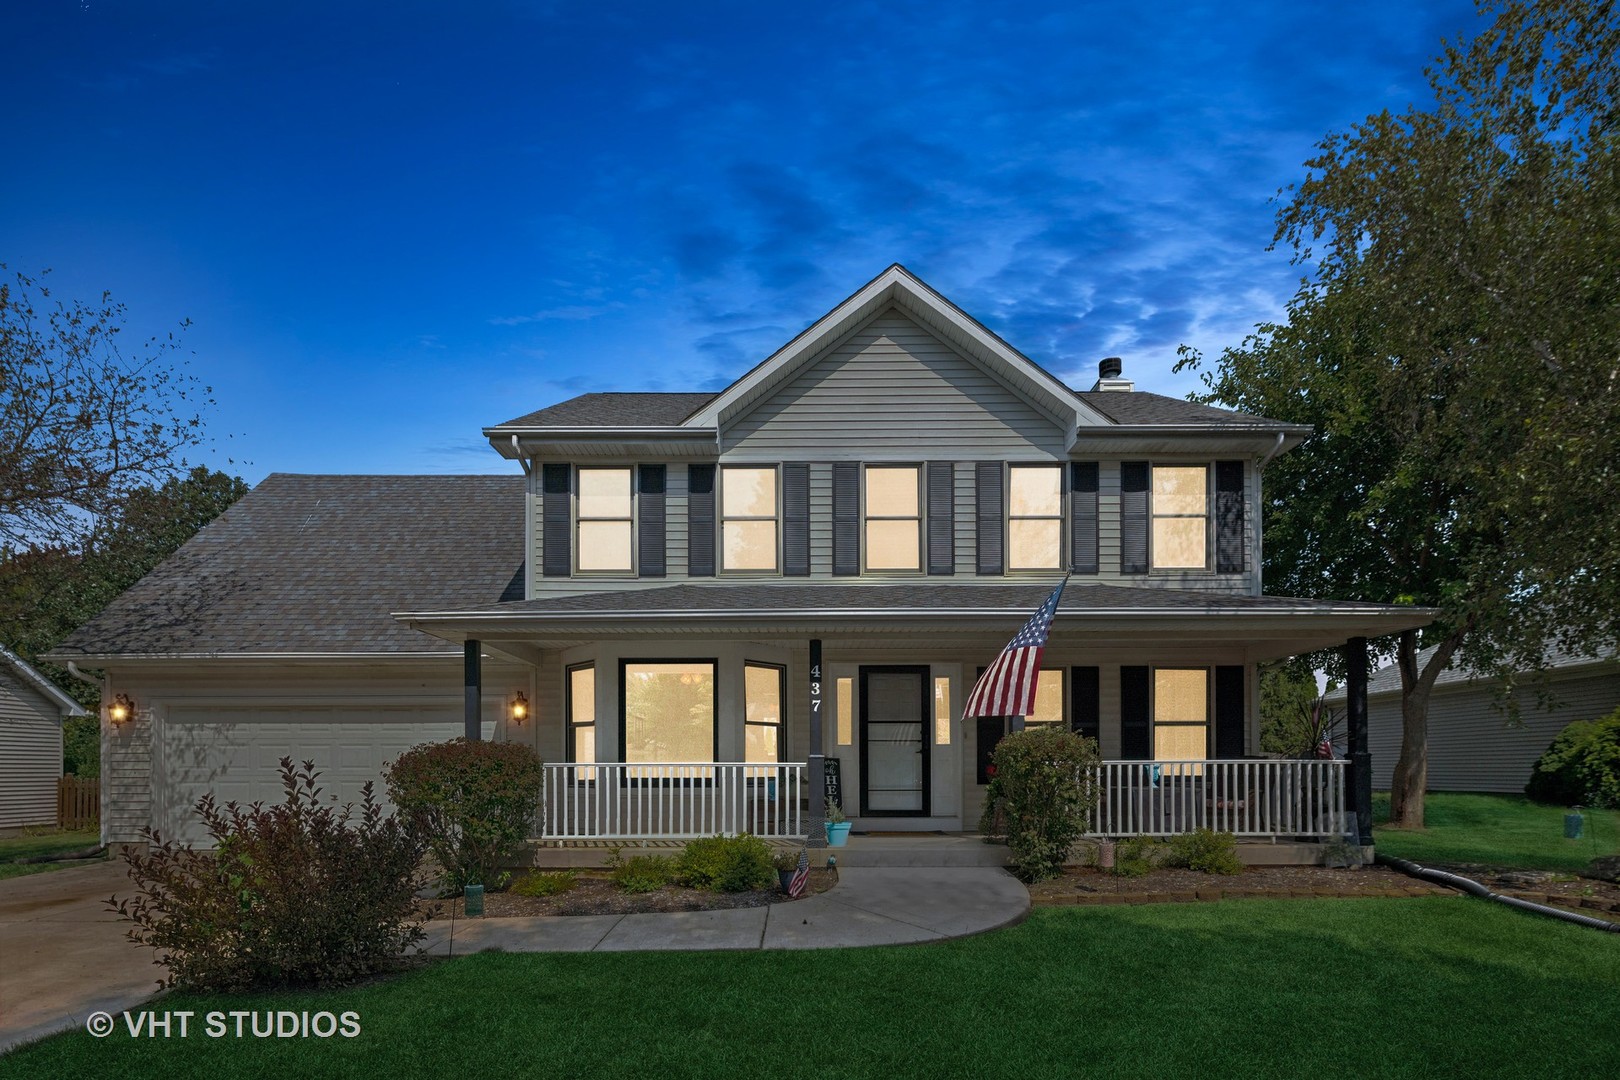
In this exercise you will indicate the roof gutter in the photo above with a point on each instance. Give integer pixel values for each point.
(1273, 452)
(932, 613)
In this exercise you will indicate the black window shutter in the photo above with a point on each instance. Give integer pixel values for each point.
(846, 476)
(652, 484)
(992, 545)
(988, 731)
(941, 517)
(1133, 517)
(796, 520)
(556, 520)
(1083, 520)
(700, 521)
(1135, 727)
(1086, 686)
(1229, 549)
(1229, 712)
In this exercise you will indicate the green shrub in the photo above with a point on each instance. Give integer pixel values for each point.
(545, 882)
(476, 800)
(727, 864)
(298, 893)
(643, 873)
(1137, 855)
(1040, 796)
(1582, 766)
(1206, 850)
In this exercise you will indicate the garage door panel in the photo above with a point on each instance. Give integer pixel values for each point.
(236, 753)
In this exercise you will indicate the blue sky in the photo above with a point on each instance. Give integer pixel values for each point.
(393, 224)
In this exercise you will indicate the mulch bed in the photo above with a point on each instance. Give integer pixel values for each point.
(1084, 885)
(594, 894)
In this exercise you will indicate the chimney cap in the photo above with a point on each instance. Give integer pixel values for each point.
(1110, 367)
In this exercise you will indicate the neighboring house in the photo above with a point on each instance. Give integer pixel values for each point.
(1472, 746)
(31, 712)
(896, 489)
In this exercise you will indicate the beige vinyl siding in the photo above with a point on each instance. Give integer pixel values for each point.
(30, 753)
(841, 406)
(126, 779)
(1471, 745)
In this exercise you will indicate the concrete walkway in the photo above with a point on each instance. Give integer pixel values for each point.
(64, 956)
(868, 906)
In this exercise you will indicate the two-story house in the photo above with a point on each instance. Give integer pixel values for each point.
(678, 582)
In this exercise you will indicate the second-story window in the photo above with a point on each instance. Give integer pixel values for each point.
(748, 517)
(893, 518)
(1034, 517)
(1180, 517)
(605, 522)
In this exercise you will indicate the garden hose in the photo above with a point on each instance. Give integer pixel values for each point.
(1474, 888)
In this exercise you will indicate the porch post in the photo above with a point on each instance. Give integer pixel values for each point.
(816, 827)
(1355, 655)
(474, 688)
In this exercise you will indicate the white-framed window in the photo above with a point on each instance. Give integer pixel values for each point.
(1180, 714)
(1180, 517)
(1048, 700)
(762, 714)
(604, 520)
(893, 523)
(581, 707)
(1034, 517)
(748, 517)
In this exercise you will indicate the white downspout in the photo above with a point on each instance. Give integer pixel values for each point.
(1273, 452)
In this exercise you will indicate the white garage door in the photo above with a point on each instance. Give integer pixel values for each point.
(236, 754)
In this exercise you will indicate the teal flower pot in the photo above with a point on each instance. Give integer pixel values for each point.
(837, 833)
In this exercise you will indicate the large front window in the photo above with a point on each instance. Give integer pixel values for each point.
(893, 518)
(669, 710)
(582, 716)
(1180, 714)
(1034, 517)
(604, 519)
(1180, 517)
(748, 518)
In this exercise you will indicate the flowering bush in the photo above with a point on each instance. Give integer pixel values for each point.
(477, 801)
(293, 894)
(1039, 797)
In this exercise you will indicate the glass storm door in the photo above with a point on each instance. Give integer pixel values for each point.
(894, 745)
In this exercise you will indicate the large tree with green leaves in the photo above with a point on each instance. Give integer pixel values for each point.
(1456, 343)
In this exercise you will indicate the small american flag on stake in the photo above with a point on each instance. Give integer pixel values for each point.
(1007, 687)
(801, 876)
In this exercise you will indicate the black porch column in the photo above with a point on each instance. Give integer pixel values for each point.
(475, 688)
(1355, 656)
(816, 828)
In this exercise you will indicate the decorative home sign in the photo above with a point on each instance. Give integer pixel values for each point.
(833, 783)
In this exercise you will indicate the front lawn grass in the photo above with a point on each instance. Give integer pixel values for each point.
(1258, 988)
(1501, 830)
(42, 841)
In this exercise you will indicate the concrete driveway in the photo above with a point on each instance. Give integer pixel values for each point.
(63, 955)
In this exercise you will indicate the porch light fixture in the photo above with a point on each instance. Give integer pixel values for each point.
(122, 710)
(519, 709)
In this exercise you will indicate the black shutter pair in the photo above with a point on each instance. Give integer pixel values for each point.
(1136, 723)
(556, 519)
(939, 501)
(700, 520)
(1231, 553)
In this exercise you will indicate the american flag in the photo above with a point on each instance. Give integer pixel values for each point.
(1007, 687)
(801, 876)
(1324, 749)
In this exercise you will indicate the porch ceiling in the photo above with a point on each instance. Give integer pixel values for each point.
(1267, 627)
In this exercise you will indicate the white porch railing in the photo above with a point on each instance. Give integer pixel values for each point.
(1274, 798)
(670, 800)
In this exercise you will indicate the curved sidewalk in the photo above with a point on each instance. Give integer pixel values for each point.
(868, 906)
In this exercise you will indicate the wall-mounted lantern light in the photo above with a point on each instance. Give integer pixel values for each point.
(519, 708)
(122, 710)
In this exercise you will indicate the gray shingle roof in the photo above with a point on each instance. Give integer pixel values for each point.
(1387, 679)
(1142, 407)
(615, 410)
(316, 563)
(920, 597)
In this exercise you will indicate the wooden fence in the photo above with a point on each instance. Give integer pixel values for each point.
(78, 802)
